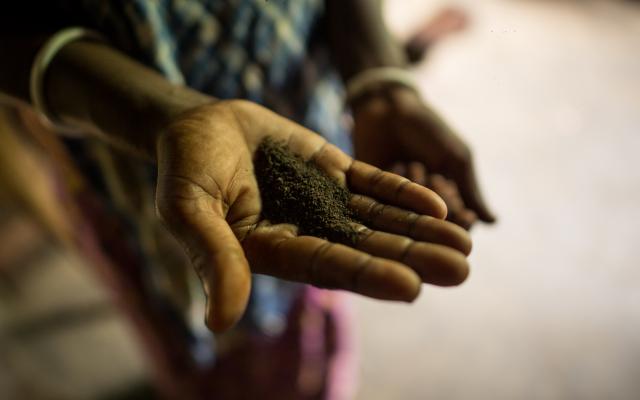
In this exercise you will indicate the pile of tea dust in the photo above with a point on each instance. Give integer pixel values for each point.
(295, 191)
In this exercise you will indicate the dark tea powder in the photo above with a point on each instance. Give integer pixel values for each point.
(297, 192)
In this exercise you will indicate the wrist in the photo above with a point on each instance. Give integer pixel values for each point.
(376, 80)
(169, 108)
(389, 97)
(39, 68)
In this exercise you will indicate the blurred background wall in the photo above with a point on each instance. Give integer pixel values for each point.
(548, 95)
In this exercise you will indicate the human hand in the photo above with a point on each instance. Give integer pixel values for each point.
(457, 213)
(395, 125)
(208, 197)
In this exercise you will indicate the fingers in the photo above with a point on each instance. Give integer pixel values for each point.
(399, 169)
(447, 189)
(275, 251)
(436, 264)
(395, 190)
(464, 218)
(469, 189)
(197, 220)
(402, 222)
(417, 173)
(225, 274)
(458, 212)
(333, 161)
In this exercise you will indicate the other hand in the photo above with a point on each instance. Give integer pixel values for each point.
(394, 125)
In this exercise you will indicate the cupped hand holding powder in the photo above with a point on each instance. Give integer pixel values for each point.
(209, 197)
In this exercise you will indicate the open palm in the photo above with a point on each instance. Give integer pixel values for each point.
(208, 197)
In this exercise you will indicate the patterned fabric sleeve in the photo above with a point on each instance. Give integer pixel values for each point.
(225, 48)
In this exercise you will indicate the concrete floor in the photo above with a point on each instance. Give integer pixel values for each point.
(548, 95)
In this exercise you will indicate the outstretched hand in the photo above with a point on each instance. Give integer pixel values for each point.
(208, 197)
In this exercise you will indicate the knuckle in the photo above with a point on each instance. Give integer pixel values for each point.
(199, 261)
(401, 185)
(376, 176)
(363, 265)
(376, 211)
(315, 265)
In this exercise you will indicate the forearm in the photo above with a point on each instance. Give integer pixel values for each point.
(358, 37)
(93, 85)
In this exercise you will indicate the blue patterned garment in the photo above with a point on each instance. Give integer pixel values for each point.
(268, 51)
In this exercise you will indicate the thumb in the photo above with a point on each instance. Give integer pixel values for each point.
(216, 254)
(224, 272)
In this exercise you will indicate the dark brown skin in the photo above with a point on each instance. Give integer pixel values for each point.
(207, 192)
(393, 124)
(208, 196)
(458, 213)
(419, 135)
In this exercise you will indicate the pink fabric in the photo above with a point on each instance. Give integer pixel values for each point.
(340, 353)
